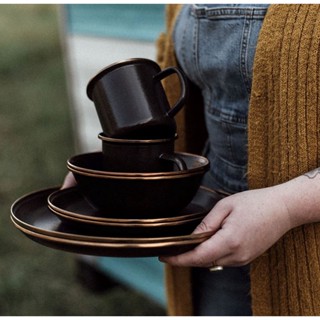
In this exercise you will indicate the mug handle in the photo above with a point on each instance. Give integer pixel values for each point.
(184, 87)
(178, 161)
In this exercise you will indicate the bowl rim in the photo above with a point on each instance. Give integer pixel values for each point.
(132, 177)
(105, 138)
(141, 175)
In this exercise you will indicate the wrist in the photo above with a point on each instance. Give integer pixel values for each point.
(301, 197)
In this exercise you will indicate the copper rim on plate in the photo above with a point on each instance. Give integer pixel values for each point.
(149, 249)
(58, 203)
(121, 224)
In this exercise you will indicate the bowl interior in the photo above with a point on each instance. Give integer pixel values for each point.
(93, 163)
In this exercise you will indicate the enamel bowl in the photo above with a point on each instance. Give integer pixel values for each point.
(137, 195)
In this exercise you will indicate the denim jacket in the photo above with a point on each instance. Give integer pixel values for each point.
(215, 46)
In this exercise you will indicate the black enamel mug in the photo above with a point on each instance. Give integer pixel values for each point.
(129, 155)
(131, 102)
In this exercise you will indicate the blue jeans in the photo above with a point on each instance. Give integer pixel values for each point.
(215, 46)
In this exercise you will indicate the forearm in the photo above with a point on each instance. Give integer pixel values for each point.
(301, 196)
(246, 224)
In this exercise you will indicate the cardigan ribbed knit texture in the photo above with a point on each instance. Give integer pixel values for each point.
(283, 142)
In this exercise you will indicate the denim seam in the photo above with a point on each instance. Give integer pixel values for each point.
(196, 51)
(229, 142)
(244, 51)
(227, 117)
(225, 13)
(230, 164)
(183, 45)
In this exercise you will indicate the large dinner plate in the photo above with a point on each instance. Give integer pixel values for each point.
(116, 249)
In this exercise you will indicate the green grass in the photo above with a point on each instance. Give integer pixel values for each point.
(35, 142)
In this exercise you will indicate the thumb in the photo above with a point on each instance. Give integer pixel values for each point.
(214, 219)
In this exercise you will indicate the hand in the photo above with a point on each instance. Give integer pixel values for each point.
(69, 181)
(244, 226)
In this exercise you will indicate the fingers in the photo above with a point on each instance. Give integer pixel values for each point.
(69, 181)
(213, 249)
(217, 248)
(214, 219)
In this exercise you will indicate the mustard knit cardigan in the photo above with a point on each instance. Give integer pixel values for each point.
(283, 142)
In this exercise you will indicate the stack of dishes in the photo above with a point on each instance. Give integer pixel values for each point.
(137, 197)
(121, 213)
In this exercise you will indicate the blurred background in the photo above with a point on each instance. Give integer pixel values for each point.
(48, 53)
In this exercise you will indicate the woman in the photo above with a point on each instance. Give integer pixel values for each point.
(275, 154)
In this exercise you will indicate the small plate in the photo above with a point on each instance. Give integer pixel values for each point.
(116, 229)
(73, 204)
(30, 214)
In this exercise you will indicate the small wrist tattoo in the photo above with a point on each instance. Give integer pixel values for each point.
(313, 173)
